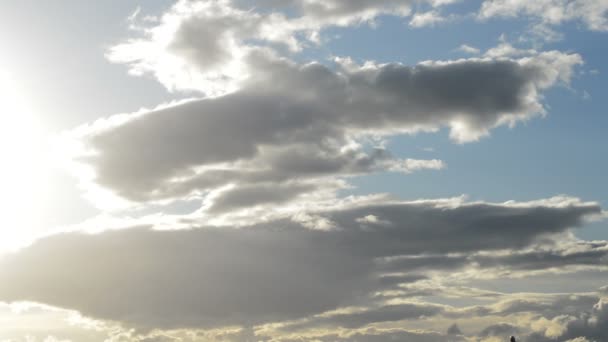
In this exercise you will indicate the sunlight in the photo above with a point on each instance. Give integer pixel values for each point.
(22, 169)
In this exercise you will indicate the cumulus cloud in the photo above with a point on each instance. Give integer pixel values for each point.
(292, 121)
(203, 45)
(219, 276)
(266, 120)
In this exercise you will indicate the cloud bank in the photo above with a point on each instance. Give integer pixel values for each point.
(222, 276)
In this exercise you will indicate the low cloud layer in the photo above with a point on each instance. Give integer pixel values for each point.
(210, 277)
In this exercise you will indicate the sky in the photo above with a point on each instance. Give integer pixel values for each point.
(303, 170)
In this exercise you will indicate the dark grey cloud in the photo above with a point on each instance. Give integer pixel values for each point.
(463, 228)
(294, 168)
(206, 44)
(195, 278)
(593, 326)
(587, 323)
(569, 257)
(500, 329)
(259, 194)
(454, 329)
(550, 307)
(280, 270)
(584, 254)
(422, 262)
(293, 122)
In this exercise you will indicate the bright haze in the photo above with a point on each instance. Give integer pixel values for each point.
(303, 170)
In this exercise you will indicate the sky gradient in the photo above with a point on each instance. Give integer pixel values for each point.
(304, 170)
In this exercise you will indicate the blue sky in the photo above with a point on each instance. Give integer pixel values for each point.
(310, 155)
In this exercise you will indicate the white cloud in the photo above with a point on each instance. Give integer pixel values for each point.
(291, 121)
(469, 49)
(593, 13)
(430, 18)
(202, 45)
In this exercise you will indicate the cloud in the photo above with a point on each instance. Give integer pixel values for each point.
(265, 146)
(26, 322)
(549, 306)
(430, 18)
(362, 318)
(586, 324)
(454, 330)
(540, 259)
(219, 276)
(259, 194)
(375, 335)
(337, 12)
(291, 121)
(505, 49)
(593, 326)
(198, 278)
(271, 134)
(579, 254)
(500, 329)
(592, 13)
(203, 45)
(468, 49)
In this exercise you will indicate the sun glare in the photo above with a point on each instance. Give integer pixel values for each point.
(22, 165)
